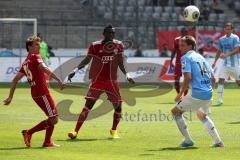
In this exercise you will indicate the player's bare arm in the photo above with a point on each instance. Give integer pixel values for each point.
(46, 70)
(233, 52)
(122, 68)
(218, 54)
(18, 77)
(186, 83)
(81, 65)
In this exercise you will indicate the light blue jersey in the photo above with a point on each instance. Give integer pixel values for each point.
(226, 45)
(201, 81)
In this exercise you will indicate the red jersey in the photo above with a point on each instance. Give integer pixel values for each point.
(105, 59)
(176, 48)
(36, 78)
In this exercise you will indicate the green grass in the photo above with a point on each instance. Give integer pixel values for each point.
(140, 139)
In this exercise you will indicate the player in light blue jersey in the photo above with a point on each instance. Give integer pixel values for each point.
(198, 74)
(229, 46)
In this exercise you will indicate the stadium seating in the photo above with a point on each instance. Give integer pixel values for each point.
(58, 18)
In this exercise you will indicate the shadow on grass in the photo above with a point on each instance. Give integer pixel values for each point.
(166, 103)
(234, 122)
(146, 154)
(84, 140)
(19, 148)
(173, 149)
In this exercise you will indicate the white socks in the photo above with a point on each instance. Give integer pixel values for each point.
(209, 125)
(220, 92)
(183, 127)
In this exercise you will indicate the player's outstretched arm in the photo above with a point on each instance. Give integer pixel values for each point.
(186, 83)
(15, 80)
(46, 70)
(122, 68)
(82, 64)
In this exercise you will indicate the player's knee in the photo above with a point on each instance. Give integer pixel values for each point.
(89, 104)
(53, 120)
(201, 116)
(118, 108)
(175, 111)
(221, 81)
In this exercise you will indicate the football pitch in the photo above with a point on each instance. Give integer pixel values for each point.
(147, 130)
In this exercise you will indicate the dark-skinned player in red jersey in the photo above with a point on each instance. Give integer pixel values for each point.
(177, 67)
(106, 56)
(34, 69)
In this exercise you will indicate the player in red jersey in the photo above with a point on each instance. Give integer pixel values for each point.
(106, 56)
(34, 69)
(177, 67)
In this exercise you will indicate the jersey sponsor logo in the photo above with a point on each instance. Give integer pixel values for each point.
(106, 59)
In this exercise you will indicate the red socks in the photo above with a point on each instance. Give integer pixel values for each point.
(116, 119)
(40, 126)
(48, 135)
(82, 117)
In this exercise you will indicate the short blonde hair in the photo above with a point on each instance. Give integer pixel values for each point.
(190, 40)
(30, 41)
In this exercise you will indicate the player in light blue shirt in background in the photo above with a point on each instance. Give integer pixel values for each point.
(229, 46)
(198, 74)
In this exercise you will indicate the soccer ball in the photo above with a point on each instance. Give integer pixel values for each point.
(191, 13)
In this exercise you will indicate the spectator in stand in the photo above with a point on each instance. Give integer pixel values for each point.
(216, 7)
(205, 11)
(51, 53)
(165, 51)
(43, 49)
(139, 52)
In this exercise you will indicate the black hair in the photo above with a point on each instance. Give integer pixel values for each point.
(108, 28)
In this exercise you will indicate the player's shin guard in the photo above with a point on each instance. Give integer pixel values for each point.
(209, 125)
(220, 92)
(116, 119)
(183, 127)
(82, 117)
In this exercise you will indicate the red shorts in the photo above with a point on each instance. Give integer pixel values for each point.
(178, 70)
(111, 88)
(46, 103)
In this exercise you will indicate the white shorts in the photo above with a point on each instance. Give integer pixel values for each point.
(189, 104)
(233, 72)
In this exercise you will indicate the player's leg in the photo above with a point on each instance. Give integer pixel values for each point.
(182, 126)
(112, 91)
(53, 120)
(82, 117)
(210, 127)
(220, 89)
(117, 115)
(94, 92)
(222, 76)
(50, 112)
